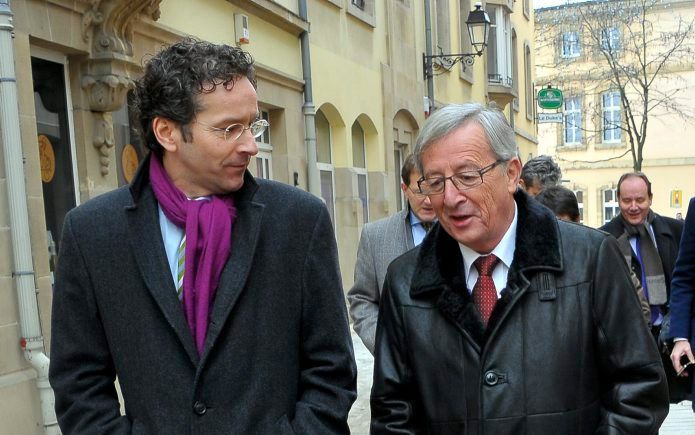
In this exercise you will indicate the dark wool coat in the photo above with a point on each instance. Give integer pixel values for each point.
(683, 287)
(566, 350)
(278, 357)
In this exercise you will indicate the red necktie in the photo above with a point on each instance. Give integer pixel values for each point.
(484, 292)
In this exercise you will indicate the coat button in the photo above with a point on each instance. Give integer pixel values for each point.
(199, 408)
(491, 378)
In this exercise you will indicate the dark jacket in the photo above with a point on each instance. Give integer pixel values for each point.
(667, 232)
(683, 286)
(566, 350)
(278, 356)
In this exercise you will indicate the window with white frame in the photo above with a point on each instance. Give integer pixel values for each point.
(610, 107)
(611, 208)
(324, 157)
(610, 39)
(573, 121)
(264, 166)
(359, 162)
(570, 45)
(499, 48)
(580, 203)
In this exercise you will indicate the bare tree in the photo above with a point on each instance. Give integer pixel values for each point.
(632, 47)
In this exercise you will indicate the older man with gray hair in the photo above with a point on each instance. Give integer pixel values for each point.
(506, 320)
(538, 173)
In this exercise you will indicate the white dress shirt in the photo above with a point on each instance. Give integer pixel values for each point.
(504, 251)
(171, 235)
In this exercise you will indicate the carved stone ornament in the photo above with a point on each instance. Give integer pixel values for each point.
(103, 138)
(110, 23)
(106, 74)
(106, 93)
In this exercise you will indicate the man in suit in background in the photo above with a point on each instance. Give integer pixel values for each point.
(381, 242)
(683, 301)
(187, 286)
(649, 242)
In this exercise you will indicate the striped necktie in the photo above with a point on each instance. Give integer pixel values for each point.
(180, 266)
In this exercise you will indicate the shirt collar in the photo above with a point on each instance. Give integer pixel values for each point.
(504, 249)
(414, 220)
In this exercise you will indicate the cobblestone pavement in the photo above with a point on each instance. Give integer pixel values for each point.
(680, 420)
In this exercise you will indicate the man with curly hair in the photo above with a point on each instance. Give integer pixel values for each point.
(538, 173)
(187, 286)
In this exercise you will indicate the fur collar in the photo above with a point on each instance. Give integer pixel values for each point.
(439, 270)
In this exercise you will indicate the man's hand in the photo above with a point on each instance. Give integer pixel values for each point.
(681, 348)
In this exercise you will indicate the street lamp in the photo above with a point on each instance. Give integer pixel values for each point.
(478, 24)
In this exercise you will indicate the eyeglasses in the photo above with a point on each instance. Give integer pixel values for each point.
(462, 181)
(416, 192)
(234, 131)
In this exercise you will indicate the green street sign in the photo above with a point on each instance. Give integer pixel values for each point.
(549, 98)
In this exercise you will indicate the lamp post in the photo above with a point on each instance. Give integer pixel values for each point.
(478, 24)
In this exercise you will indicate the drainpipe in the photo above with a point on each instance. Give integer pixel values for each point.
(427, 61)
(23, 274)
(309, 110)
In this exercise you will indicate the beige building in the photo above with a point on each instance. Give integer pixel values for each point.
(591, 144)
(344, 112)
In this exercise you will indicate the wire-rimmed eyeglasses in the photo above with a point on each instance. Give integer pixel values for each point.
(234, 131)
(462, 180)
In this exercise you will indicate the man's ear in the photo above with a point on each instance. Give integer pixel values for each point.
(167, 133)
(514, 173)
(404, 188)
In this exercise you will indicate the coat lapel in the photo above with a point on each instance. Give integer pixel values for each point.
(404, 220)
(145, 238)
(245, 234)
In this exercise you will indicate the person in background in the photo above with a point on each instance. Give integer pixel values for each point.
(506, 320)
(187, 285)
(683, 303)
(382, 241)
(539, 173)
(563, 202)
(649, 243)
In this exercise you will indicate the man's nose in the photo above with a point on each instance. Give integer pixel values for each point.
(247, 144)
(451, 193)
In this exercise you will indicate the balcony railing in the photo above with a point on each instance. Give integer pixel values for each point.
(499, 79)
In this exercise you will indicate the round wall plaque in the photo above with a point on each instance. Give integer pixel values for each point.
(129, 162)
(47, 158)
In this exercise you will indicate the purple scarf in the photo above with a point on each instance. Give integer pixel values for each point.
(208, 225)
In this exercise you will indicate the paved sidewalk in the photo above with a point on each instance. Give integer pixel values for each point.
(680, 420)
